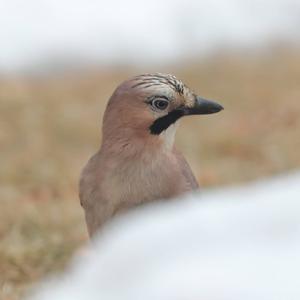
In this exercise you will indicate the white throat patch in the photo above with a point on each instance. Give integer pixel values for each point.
(168, 135)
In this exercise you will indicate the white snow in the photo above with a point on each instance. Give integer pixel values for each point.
(39, 33)
(227, 244)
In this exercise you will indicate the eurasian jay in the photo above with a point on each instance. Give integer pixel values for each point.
(137, 162)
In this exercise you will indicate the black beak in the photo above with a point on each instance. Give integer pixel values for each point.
(203, 107)
(200, 107)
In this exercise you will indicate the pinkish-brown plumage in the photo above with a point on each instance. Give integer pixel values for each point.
(137, 162)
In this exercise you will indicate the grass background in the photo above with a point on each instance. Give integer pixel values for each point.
(49, 126)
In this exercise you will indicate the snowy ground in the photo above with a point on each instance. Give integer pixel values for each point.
(239, 243)
(48, 33)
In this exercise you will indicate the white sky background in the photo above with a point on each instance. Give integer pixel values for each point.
(230, 244)
(37, 33)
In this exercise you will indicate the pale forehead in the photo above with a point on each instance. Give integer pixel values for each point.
(160, 80)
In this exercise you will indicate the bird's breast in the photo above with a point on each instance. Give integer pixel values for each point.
(146, 180)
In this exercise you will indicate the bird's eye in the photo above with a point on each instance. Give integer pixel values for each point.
(160, 104)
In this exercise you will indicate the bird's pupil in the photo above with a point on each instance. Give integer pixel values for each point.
(160, 104)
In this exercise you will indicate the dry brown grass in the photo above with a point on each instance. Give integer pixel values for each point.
(49, 127)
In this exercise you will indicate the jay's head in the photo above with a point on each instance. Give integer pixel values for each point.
(149, 104)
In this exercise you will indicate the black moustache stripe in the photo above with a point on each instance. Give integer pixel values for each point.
(161, 124)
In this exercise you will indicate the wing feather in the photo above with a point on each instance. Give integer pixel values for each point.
(186, 170)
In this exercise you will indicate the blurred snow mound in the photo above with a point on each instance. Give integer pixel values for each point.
(239, 243)
(65, 33)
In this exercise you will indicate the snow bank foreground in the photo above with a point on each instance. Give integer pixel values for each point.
(36, 34)
(239, 243)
